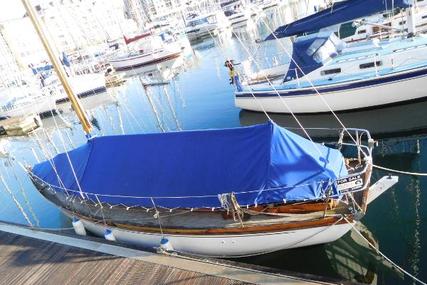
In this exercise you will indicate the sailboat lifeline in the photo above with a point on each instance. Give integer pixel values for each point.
(230, 192)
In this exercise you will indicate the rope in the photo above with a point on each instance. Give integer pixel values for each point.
(153, 107)
(308, 78)
(399, 171)
(61, 138)
(383, 255)
(51, 229)
(277, 93)
(18, 205)
(170, 197)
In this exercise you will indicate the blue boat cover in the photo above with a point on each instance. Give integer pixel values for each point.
(339, 12)
(266, 162)
(311, 52)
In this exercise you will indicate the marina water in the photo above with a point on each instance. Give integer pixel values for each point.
(201, 98)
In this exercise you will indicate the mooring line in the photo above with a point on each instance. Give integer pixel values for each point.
(383, 255)
(399, 171)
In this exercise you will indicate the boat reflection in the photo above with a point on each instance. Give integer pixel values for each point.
(63, 116)
(350, 258)
(395, 121)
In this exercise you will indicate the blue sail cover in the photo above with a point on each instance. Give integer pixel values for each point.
(311, 52)
(338, 13)
(267, 161)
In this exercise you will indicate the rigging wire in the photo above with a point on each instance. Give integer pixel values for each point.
(18, 205)
(382, 254)
(23, 192)
(307, 76)
(399, 171)
(280, 97)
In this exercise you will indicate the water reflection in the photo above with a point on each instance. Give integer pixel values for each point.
(408, 119)
(201, 98)
(349, 258)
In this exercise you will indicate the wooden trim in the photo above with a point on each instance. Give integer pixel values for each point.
(255, 229)
(364, 203)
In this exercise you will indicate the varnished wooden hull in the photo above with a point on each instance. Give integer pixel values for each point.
(217, 232)
(226, 244)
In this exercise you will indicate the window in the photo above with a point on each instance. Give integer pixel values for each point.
(361, 32)
(330, 71)
(370, 64)
(346, 30)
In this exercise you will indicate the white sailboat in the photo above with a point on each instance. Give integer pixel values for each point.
(349, 76)
(151, 53)
(208, 25)
(21, 101)
(384, 25)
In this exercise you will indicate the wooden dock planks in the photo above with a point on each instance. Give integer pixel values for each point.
(26, 260)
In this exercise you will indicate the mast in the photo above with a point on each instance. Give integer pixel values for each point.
(410, 20)
(87, 127)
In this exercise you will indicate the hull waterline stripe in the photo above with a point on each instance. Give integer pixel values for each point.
(338, 87)
(151, 62)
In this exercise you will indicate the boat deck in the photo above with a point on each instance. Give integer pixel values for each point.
(37, 257)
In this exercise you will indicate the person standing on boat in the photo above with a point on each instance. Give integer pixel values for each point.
(234, 76)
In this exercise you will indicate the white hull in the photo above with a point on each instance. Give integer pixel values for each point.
(206, 31)
(38, 106)
(147, 62)
(24, 101)
(83, 86)
(88, 103)
(227, 245)
(346, 99)
(163, 71)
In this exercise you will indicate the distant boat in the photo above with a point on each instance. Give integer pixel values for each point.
(237, 13)
(208, 25)
(349, 77)
(17, 101)
(383, 25)
(151, 53)
(83, 85)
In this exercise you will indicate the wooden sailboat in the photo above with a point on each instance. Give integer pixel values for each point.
(229, 192)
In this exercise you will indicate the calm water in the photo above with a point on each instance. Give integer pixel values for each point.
(201, 98)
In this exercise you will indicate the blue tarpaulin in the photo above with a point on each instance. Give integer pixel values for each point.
(270, 163)
(306, 50)
(339, 12)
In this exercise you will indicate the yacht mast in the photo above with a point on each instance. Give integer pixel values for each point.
(87, 127)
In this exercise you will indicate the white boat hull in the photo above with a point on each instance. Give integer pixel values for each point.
(148, 62)
(40, 105)
(345, 99)
(162, 71)
(202, 32)
(227, 245)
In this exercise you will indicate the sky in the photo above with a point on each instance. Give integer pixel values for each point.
(11, 9)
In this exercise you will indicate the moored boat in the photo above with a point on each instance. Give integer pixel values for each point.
(227, 192)
(20, 101)
(208, 25)
(148, 58)
(220, 193)
(362, 75)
